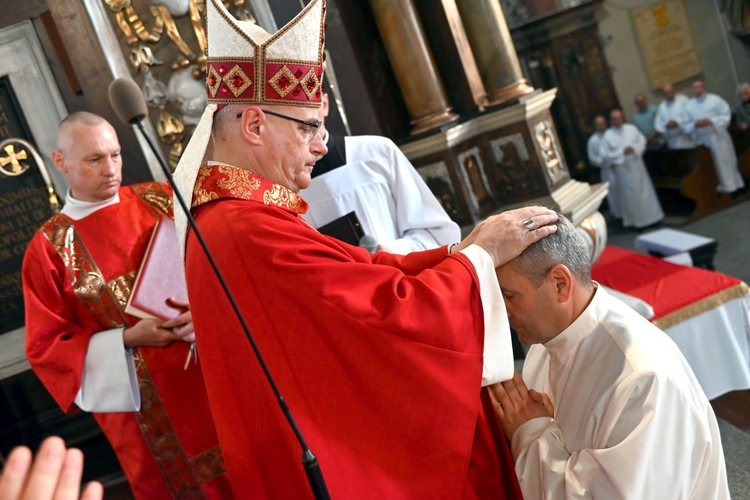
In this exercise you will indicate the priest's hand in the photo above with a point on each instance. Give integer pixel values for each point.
(515, 404)
(506, 235)
(149, 332)
(671, 124)
(703, 122)
(181, 325)
(628, 150)
(55, 473)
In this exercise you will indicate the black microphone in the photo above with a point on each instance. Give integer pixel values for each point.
(369, 243)
(129, 104)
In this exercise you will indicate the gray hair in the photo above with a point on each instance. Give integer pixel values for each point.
(565, 246)
(228, 113)
(743, 86)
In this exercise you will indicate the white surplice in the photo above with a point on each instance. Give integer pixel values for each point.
(391, 200)
(674, 110)
(630, 422)
(715, 137)
(638, 201)
(594, 148)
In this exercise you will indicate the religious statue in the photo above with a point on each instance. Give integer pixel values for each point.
(476, 180)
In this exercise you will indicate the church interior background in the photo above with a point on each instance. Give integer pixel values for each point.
(491, 100)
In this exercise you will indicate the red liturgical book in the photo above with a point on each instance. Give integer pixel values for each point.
(160, 276)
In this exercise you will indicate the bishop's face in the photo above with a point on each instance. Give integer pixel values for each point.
(295, 146)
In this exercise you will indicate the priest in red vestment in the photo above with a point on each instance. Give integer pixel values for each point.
(77, 274)
(381, 359)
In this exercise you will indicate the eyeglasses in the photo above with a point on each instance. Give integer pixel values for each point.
(312, 127)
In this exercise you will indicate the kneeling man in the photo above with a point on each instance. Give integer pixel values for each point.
(612, 408)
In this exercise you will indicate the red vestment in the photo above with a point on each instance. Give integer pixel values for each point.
(175, 415)
(378, 357)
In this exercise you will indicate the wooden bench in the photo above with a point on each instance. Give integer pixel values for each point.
(685, 182)
(741, 141)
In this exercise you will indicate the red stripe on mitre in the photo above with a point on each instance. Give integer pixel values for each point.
(228, 80)
(295, 93)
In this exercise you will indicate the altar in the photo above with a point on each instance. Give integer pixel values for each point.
(706, 313)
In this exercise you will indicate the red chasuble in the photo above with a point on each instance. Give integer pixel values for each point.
(77, 277)
(378, 357)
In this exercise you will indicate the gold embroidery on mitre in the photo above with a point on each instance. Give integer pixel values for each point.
(237, 80)
(213, 80)
(227, 40)
(121, 288)
(90, 285)
(310, 83)
(237, 182)
(283, 81)
(282, 197)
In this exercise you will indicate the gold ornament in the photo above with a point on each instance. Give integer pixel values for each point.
(16, 167)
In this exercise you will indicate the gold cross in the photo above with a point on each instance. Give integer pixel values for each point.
(12, 158)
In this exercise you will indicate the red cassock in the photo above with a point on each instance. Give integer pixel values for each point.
(378, 357)
(169, 448)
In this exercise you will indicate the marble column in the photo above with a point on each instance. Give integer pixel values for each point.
(413, 64)
(493, 50)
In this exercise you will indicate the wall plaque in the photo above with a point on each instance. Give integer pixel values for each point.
(666, 42)
(24, 202)
(24, 206)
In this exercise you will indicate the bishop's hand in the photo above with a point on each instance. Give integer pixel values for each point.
(506, 235)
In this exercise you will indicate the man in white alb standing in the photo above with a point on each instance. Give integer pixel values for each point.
(707, 117)
(622, 148)
(669, 119)
(594, 149)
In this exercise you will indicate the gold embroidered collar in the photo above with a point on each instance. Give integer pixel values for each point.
(222, 181)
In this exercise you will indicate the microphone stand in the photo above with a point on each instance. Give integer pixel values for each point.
(309, 460)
